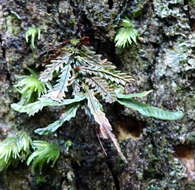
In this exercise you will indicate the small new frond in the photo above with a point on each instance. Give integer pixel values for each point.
(44, 153)
(102, 87)
(99, 116)
(30, 88)
(32, 34)
(126, 34)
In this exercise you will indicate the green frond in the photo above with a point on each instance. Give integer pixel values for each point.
(126, 34)
(59, 89)
(68, 114)
(44, 153)
(30, 88)
(32, 34)
(14, 148)
(102, 87)
(55, 66)
(33, 108)
(151, 111)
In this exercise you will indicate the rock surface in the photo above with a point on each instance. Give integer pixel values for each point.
(162, 155)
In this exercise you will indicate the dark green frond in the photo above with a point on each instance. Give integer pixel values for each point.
(103, 88)
(59, 89)
(55, 66)
(113, 76)
(68, 114)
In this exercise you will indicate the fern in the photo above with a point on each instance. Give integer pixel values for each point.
(126, 34)
(82, 74)
(30, 87)
(58, 91)
(14, 148)
(32, 34)
(103, 88)
(105, 127)
(44, 153)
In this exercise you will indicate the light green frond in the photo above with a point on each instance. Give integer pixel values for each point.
(126, 34)
(30, 88)
(44, 153)
(14, 148)
(68, 114)
(32, 34)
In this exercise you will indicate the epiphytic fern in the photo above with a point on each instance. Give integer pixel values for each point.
(80, 74)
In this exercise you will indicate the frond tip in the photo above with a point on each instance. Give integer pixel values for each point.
(43, 154)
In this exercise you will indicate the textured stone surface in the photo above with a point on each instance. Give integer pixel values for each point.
(162, 60)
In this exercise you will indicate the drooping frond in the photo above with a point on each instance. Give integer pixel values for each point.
(43, 154)
(99, 116)
(103, 88)
(68, 114)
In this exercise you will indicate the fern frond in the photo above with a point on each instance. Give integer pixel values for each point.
(33, 108)
(68, 114)
(126, 34)
(43, 154)
(14, 148)
(99, 116)
(113, 76)
(103, 88)
(58, 91)
(30, 88)
(55, 66)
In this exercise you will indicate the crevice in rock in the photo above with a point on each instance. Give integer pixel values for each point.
(110, 4)
(128, 127)
(186, 154)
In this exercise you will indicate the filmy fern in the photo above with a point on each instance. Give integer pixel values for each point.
(43, 154)
(126, 34)
(30, 87)
(14, 148)
(82, 79)
(32, 34)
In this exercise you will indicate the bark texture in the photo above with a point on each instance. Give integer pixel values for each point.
(160, 154)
